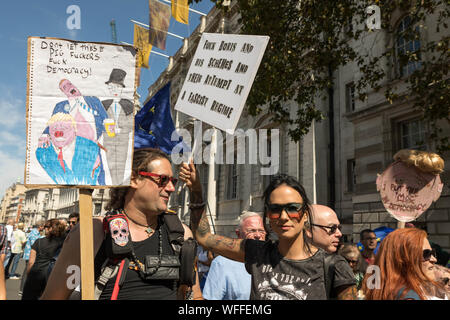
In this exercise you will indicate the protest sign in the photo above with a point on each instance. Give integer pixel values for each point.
(407, 191)
(220, 78)
(80, 120)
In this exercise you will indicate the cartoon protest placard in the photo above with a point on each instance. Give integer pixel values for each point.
(411, 184)
(80, 119)
(220, 78)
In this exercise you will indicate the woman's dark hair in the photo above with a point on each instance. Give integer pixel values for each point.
(141, 160)
(58, 228)
(284, 179)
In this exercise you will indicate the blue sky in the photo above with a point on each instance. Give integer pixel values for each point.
(20, 19)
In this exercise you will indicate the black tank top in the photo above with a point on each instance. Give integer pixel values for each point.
(134, 287)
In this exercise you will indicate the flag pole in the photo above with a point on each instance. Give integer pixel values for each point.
(155, 52)
(148, 27)
(192, 10)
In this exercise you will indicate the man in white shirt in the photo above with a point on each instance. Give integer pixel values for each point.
(18, 242)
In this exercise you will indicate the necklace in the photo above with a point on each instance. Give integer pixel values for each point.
(148, 229)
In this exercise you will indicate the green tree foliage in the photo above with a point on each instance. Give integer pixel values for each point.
(310, 39)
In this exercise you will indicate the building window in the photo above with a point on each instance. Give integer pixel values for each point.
(412, 135)
(351, 175)
(407, 44)
(350, 96)
(232, 180)
(204, 169)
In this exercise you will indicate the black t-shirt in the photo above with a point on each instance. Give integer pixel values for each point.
(136, 288)
(45, 251)
(277, 278)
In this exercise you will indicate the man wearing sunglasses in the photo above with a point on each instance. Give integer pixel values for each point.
(228, 279)
(142, 203)
(74, 218)
(326, 229)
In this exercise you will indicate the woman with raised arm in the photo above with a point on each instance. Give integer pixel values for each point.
(288, 269)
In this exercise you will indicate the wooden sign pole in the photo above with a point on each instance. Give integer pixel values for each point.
(86, 245)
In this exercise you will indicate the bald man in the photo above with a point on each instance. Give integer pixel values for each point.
(326, 229)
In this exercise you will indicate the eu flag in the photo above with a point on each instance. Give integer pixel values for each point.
(154, 124)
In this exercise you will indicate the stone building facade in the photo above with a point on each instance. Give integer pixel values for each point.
(12, 203)
(366, 136)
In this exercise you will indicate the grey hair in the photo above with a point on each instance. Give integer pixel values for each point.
(39, 223)
(247, 214)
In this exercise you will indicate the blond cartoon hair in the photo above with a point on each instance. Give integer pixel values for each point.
(62, 117)
(425, 161)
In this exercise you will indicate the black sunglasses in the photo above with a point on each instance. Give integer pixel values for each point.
(427, 253)
(292, 209)
(163, 179)
(73, 222)
(351, 261)
(332, 228)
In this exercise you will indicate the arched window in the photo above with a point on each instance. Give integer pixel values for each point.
(407, 41)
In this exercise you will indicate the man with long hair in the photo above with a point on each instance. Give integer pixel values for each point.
(142, 204)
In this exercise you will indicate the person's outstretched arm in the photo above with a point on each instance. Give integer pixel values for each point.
(227, 247)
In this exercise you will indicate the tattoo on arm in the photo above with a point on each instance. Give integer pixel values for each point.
(199, 223)
(214, 241)
(348, 293)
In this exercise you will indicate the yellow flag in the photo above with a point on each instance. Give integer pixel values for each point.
(180, 11)
(141, 42)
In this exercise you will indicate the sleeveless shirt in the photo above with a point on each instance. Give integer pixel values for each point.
(136, 288)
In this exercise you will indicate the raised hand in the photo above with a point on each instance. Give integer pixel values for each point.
(189, 175)
(44, 141)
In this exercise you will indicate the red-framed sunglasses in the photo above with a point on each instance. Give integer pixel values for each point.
(163, 179)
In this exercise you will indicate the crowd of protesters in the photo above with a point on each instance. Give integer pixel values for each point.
(293, 250)
(38, 247)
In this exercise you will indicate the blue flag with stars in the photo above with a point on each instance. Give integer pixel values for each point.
(154, 124)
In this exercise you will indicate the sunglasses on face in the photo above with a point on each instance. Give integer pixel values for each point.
(427, 253)
(351, 261)
(332, 228)
(293, 210)
(72, 222)
(46, 227)
(162, 181)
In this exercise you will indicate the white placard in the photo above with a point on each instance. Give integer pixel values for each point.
(220, 78)
(79, 112)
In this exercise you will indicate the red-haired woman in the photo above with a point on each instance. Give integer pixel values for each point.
(406, 262)
(42, 255)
